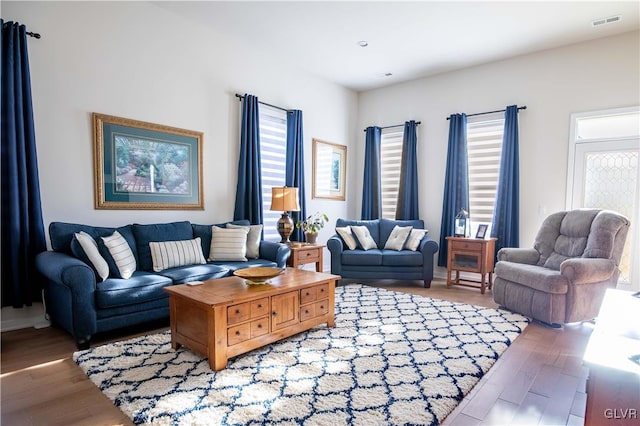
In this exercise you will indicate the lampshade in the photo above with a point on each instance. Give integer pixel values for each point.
(284, 199)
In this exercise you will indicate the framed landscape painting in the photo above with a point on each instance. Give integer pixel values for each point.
(139, 165)
(329, 170)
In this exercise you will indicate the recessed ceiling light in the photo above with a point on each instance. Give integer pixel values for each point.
(363, 43)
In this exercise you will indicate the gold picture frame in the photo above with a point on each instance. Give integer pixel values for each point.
(146, 166)
(329, 170)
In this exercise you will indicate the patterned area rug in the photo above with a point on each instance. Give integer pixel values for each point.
(392, 358)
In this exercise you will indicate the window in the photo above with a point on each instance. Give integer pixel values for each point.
(391, 158)
(273, 152)
(484, 147)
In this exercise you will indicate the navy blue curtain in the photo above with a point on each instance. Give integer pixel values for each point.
(456, 181)
(506, 223)
(407, 205)
(371, 184)
(249, 191)
(295, 167)
(23, 234)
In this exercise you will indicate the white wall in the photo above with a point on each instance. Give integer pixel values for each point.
(139, 61)
(595, 75)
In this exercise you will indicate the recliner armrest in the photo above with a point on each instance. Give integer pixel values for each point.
(579, 270)
(529, 256)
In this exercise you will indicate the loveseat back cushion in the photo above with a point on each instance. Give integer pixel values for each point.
(607, 236)
(204, 232)
(372, 225)
(144, 234)
(563, 235)
(141, 287)
(387, 225)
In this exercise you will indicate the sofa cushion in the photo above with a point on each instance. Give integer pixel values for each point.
(85, 248)
(253, 239)
(536, 277)
(119, 255)
(204, 232)
(144, 234)
(397, 238)
(387, 225)
(204, 272)
(372, 225)
(141, 287)
(228, 244)
(171, 254)
(401, 258)
(361, 257)
(234, 266)
(61, 235)
(347, 237)
(364, 238)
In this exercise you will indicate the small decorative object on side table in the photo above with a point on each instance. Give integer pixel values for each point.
(471, 255)
(302, 254)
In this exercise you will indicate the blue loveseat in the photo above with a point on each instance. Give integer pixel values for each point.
(381, 263)
(80, 302)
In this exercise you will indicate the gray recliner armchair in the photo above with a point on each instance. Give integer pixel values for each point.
(563, 278)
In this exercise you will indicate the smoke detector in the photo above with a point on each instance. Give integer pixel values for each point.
(606, 21)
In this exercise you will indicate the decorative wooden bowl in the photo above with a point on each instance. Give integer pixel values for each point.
(258, 275)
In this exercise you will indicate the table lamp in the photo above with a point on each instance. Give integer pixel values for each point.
(284, 199)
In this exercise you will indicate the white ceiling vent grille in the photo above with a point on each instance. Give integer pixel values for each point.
(605, 21)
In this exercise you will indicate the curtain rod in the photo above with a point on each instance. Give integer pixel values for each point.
(34, 35)
(491, 112)
(395, 125)
(241, 97)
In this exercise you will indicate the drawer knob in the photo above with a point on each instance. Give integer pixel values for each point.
(237, 311)
(259, 306)
(307, 293)
(322, 290)
(306, 311)
(274, 313)
(321, 307)
(259, 325)
(237, 333)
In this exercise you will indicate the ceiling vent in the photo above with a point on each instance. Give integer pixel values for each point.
(605, 21)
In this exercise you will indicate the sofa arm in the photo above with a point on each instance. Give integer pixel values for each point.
(70, 293)
(519, 255)
(580, 270)
(336, 247)
(275, 252)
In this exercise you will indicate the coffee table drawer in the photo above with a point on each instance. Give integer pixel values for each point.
(259, 307)
(259, 327)
(238, 313)
(314, 293)
(238, 334)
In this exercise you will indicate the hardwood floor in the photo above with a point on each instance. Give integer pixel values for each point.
(538, 380)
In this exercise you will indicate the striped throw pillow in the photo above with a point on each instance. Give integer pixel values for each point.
(92, 252)
(170, 254)
(229, 244)
(121, 253)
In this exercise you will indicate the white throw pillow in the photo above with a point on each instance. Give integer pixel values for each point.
(170, 254)
(90, 248)
(347, 236)
(397, 237)
(121, 253)
(228, 244)
(364, 237)
(253, 239)
(414, 239)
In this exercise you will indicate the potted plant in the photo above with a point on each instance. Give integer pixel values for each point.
(312, 225)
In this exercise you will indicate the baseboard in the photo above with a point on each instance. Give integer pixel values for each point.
(26, 317)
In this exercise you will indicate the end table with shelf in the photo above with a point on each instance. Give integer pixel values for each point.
(470, 255)
(302, 254)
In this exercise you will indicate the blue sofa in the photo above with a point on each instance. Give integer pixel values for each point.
(380, 263)
(81, 303)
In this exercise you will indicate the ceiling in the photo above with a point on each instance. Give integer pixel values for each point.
(406, 39)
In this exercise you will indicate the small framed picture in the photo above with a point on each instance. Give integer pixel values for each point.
(482, 230)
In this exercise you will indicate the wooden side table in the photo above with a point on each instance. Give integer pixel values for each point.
(305, 253)
(471, 255)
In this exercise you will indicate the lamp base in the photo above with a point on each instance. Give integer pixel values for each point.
(285, 228)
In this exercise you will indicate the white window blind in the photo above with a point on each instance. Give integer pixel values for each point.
(273, 152)
(391, 158)
(484, 147)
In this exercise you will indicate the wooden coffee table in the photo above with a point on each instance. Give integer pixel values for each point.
(225, 317)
